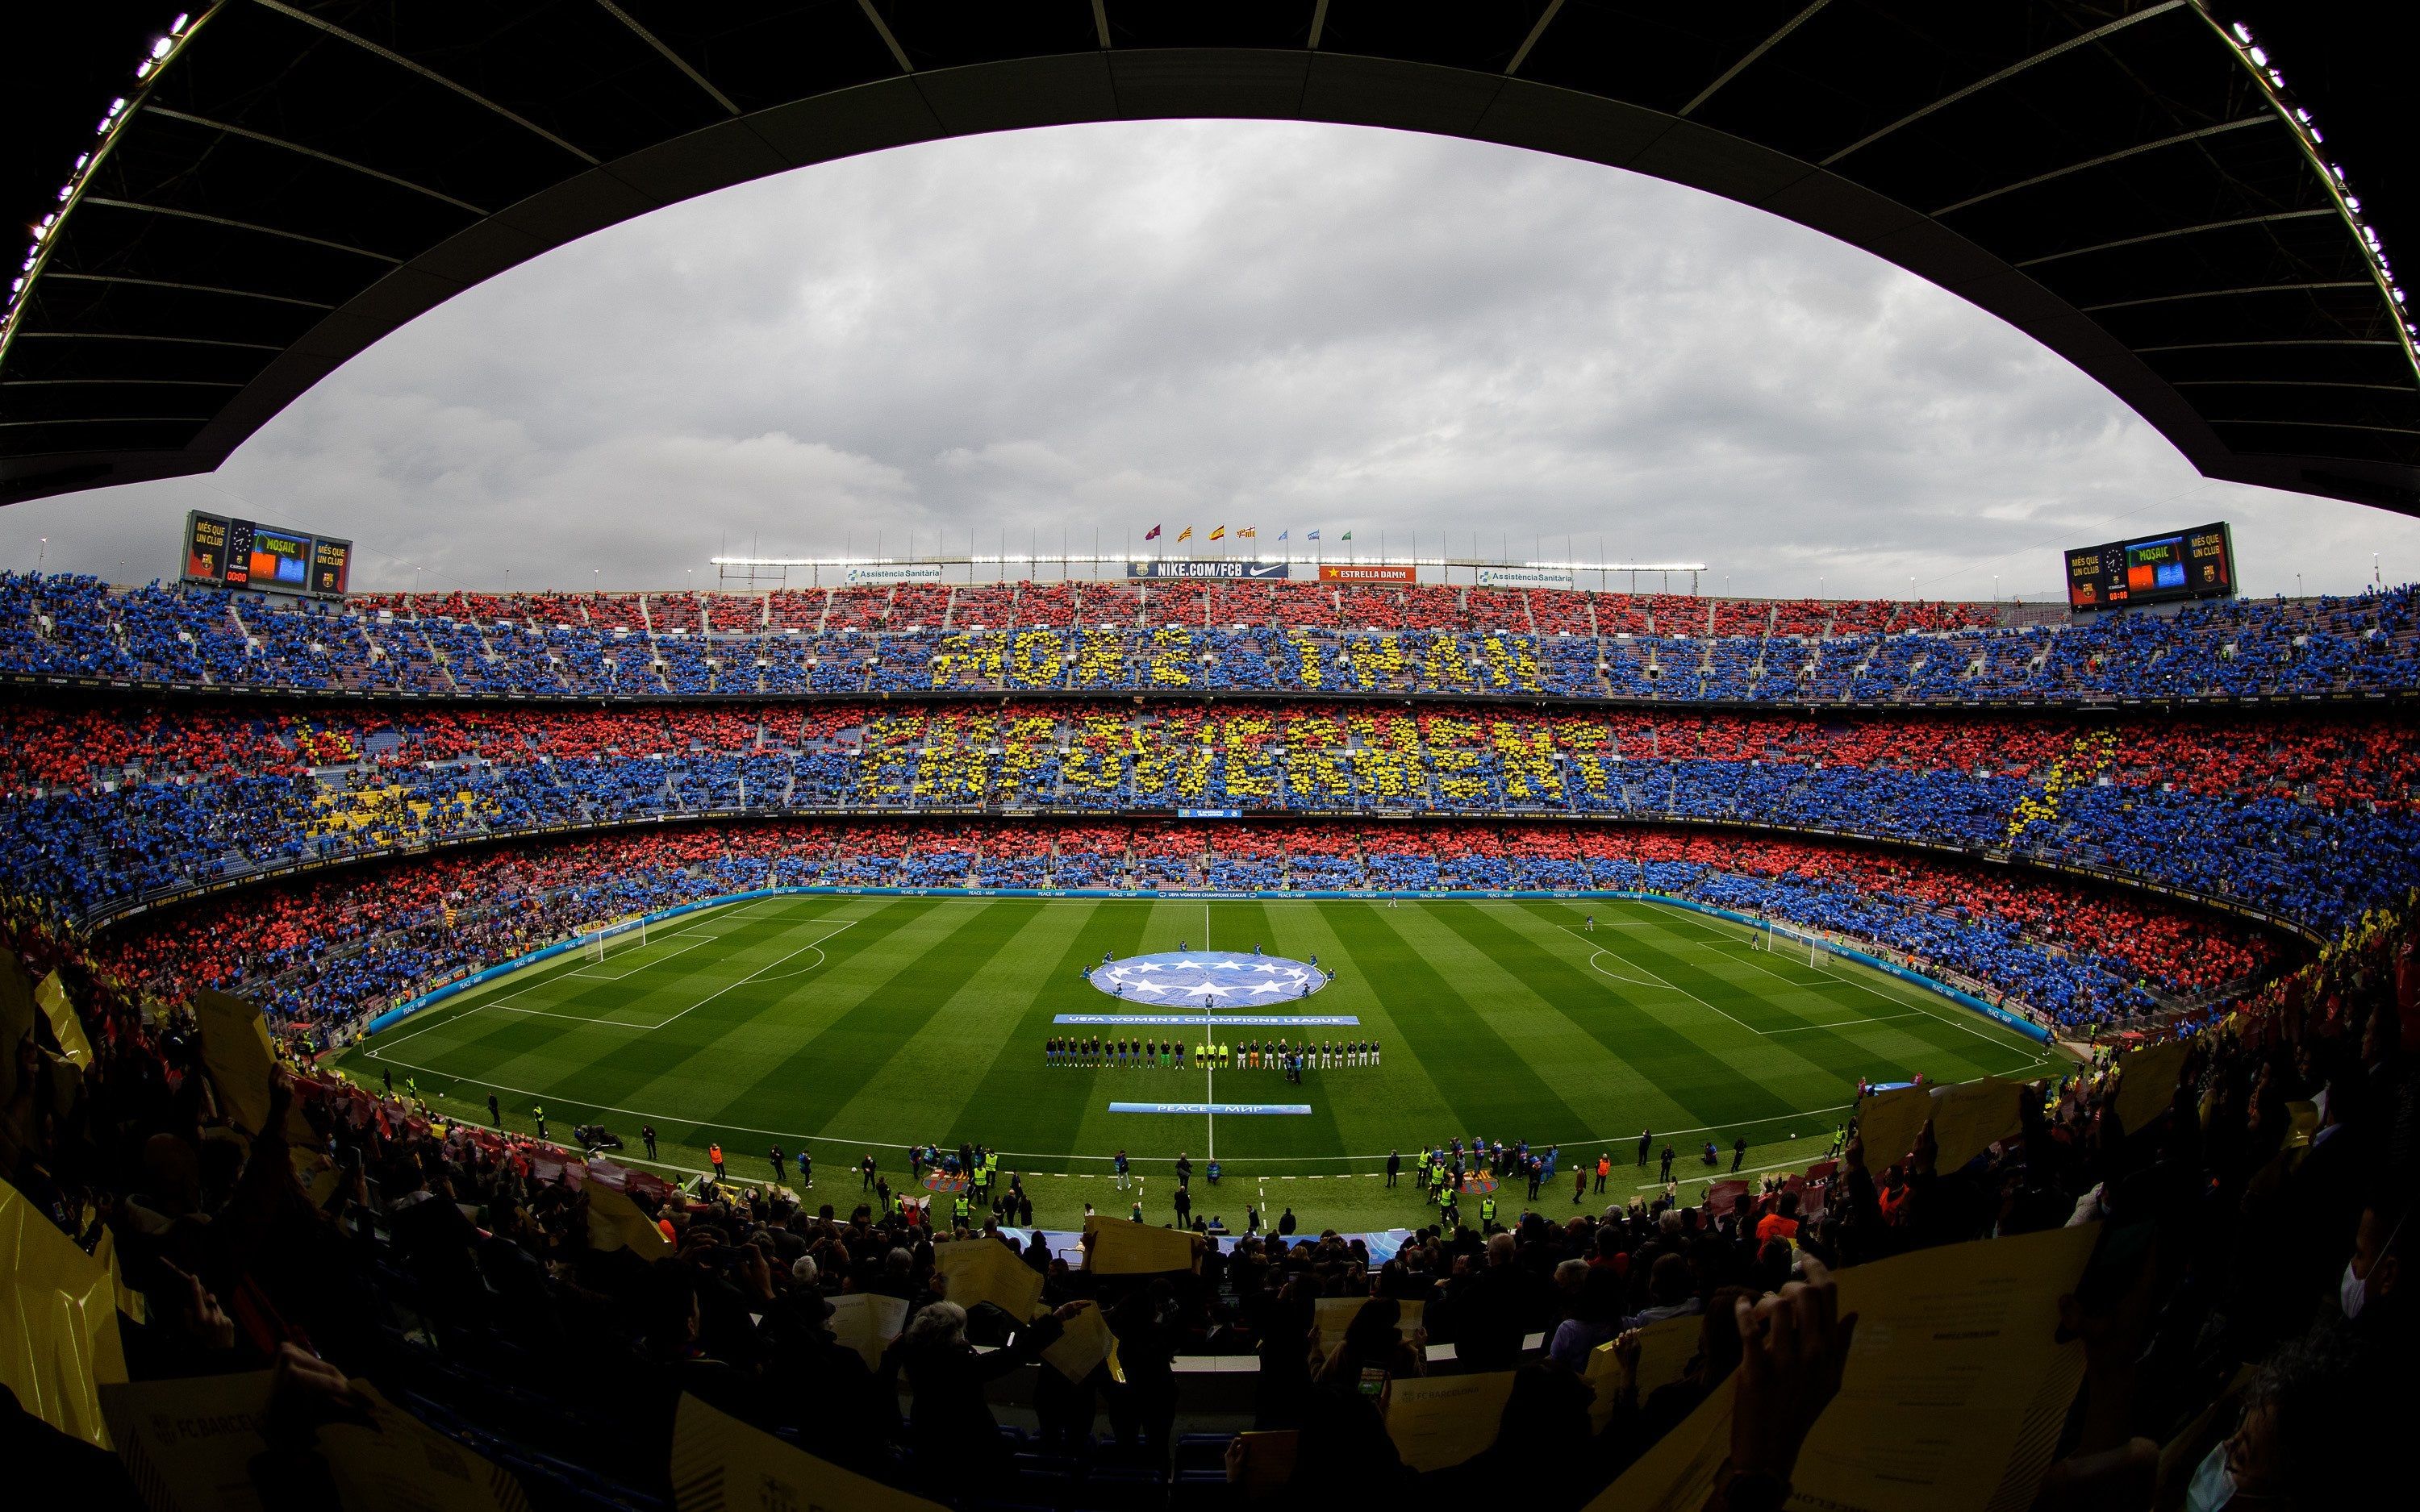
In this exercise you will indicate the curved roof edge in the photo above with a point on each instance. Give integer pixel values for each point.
(1240, 83)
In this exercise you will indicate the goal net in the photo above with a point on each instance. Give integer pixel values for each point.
(612, 940)
(1790, 941)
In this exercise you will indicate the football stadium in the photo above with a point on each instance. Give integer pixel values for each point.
(1241, 1017)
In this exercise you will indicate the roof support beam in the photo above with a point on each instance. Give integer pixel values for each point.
(108, 420)
(2176, 231)
(2282, 341)
(2225, 293)
(186, 288)
(426, 72)
(1753, 54)
(2011, 72)
(117, 382)
(1545, 19)
(240, 225)
(2286, 383)
(2107, 158)
(139, 336)
(669, 56)
(882, 30)
(330, 158)
(2321, 425)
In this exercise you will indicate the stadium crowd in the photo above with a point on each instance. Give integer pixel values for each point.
(2242, 1320)
(1284, 637)
(326, 952)
(2306, 816)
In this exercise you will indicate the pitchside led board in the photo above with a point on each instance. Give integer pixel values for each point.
(237, 553)
(2152, 569)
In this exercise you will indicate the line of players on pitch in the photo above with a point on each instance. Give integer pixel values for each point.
(1092, 1051)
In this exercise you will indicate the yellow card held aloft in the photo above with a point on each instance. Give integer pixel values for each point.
(982, 1270)
(1086, 1343)
(1956, 1382)
(1972, 1117)
(189, 1441)
(720, 1464)
(1888, 1123)
(1437, 1421)
(867, 1322)
(2147, 1081)
(1120, 1246)
(1336, 1314)
(614, 1222)
(401, 1464)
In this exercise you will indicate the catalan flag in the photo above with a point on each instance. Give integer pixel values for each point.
(1184, 535)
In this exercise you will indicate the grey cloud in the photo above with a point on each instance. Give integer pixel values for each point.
(1098, 329)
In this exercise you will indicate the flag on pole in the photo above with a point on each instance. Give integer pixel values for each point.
(1313, 536)
(1218, 532)
(1348, 535)
(1184, 535)
(1281, 535)
(1248, 533)
(1152, 534)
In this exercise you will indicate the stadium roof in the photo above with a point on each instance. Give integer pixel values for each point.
(2125, 179)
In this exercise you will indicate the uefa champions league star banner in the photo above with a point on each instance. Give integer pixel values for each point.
(1219, 1021)
(1205, 979)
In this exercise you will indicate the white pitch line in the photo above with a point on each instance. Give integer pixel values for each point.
(541, 977)
(1848, 981)
(1848, 1024)
(751, 975)
(586, 973)
(1659, 981)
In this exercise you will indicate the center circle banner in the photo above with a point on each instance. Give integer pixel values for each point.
(1224, 979)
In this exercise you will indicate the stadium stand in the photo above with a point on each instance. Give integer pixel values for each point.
(513, 1314)
(1429, 640)
(2043, 822)
(2304, 817)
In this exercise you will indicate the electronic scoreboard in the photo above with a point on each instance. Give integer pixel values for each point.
(239, 554)
(2152, 569)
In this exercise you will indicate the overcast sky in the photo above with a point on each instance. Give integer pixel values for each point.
(1097, 328)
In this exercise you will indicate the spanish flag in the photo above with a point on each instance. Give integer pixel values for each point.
(1219, 533)
(1184, 534)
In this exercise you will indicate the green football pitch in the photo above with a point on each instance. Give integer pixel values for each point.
(843, 1023)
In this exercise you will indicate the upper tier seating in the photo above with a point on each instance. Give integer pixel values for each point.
(1286, 636)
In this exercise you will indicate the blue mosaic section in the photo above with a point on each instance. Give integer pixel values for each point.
(1196, 978)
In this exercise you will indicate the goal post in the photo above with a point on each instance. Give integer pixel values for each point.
(1776, 935)
(601, 938)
